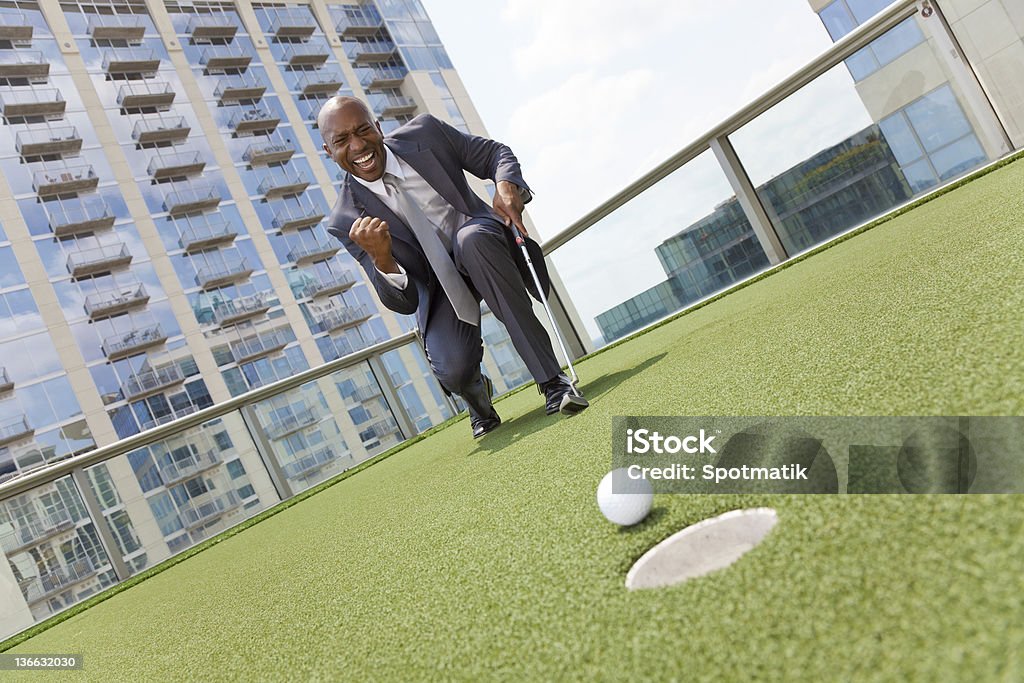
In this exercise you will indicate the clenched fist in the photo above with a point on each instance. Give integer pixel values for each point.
(373, 236)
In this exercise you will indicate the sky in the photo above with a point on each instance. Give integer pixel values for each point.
(590, 95)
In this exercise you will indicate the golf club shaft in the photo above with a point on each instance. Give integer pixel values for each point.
(547, 308)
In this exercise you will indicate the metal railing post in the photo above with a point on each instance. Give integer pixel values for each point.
(748, 199)
(95, 510)
(990, 125)
(266, 452)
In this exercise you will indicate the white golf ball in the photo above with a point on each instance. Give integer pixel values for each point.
(630, 503)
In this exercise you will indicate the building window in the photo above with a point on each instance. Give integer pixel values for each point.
(842, 16)
(932, 139)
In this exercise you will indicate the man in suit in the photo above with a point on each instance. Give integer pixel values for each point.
(432, 247)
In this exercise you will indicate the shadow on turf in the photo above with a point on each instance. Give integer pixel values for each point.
(515, 429)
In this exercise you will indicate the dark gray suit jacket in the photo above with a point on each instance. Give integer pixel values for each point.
(440, 153)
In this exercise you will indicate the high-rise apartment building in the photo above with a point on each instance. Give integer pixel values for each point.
(162, 249)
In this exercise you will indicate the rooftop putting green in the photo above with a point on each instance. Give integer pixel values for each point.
(466, 560)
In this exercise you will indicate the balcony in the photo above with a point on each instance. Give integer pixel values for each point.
(36, 102)
(281, 183)
(355, 24)
(327, 285)
(206, 235)
(254, 119)
(116, 27)
(116, 301)
(303, 54)
(268, 152)
(225, 57)
(306, 465)
(26, 534)
(340, 317)
(186, 468)
(310, 253)
(6, 383)
(169, 417)
(49, 142)
(98, 260)
(293, 23)
(15, 429)
(147, 94)
(320, 82)
(382, 76)
(281, 427)
(191, 200)
(369, 51)
(130, 61)
(222, 274)
(67, 180)
(364, 394)
(391, 105)
(240, 87)
(178, 165)
(193, 514)
(258, 345)
(15, 64)
(84, 217)
(235, 310)
(15, 28)
(160, 128)
(45, 585)
(133, 342)
(215, 26)
(294, 218)
(382, 428)
(151, 381)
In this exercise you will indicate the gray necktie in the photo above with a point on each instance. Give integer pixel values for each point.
(466, 307)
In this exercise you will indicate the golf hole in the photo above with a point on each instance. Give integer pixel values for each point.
(701, 548)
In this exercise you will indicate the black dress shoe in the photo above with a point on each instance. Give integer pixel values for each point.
(483, 418)
(554, 389)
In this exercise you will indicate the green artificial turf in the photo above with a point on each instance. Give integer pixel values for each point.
(457, 559)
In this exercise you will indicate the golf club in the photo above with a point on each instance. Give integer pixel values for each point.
(573, 401)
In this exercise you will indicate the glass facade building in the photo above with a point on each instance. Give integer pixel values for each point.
(163, 248)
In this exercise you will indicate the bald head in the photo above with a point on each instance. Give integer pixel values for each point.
(333, 106)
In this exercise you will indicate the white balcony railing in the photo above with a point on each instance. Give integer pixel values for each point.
(34, 102)
(258, 345)
(64, 180)
(223, 273)
(160, 128)
(116, 300)
(90, 215)
(14, 429)
(145, 94)
(29, 532)
(116, 27)
(234, 310)
(152, 380)
(329, 284)
(98, 259)
(49, 141)
(202, 235)
(133, 341)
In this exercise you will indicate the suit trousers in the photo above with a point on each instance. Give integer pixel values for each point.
(481, 251)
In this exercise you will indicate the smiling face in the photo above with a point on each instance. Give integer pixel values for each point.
(353, 139)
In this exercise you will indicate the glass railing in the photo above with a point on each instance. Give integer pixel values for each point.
(329, 284)
(292, 23)
(200, 235)
(239, 87)
(222, 273)
(339, 317)
(177, 164)
(5, 380)
(116, 300)
(129, 60)
(116, 26)
(121, 345)
(280, 182)
(305, 54)
(160, 128)
(212, 26)
(234, 310)
(16, 28)
(13, 429)
(321, 81)
(240, 457)
(374, 50)
(268, 152)
(386, 105)
(64, 179)
(305, 252)
(224, 56)
(830, 148)
(12, 60)
(359, 20)
(56, 140)
(259, 345)
(145, 94)
(254, 118)
(89, 215)
(30, 102)
(294, 217)
(380, 76)
(98, 259)
(194, 198)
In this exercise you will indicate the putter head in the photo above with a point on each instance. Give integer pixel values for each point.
(573, 404)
